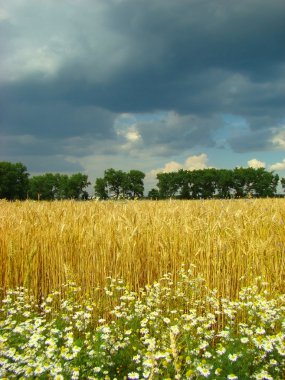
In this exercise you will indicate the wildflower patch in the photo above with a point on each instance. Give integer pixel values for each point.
(159, 332)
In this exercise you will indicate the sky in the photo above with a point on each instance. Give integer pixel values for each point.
(153, 85)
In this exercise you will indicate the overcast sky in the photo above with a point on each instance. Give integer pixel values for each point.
(153, 85)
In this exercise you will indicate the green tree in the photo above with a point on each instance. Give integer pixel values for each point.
(153, 194)
(77, 184)
(117, 182)
(43, 187)
(14, 180)
(51, 186)
(184, 184)
(101, 188)
(61, 183)
(135, 183)
(240, 183)
(196, 184)
(265, 183)
(168, 184)
(203, 183)
(209, 183)
(257, 182)
(283, 183)
(224, 183)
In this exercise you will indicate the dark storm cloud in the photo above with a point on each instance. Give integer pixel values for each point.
(192, 132)
(55, 118)
(69, 67)
(182, 44)
(51, 163)
(260, 140)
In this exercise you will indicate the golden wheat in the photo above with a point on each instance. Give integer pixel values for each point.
(228, 242)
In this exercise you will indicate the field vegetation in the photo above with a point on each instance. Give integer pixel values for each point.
(227, 242)
(142, 289)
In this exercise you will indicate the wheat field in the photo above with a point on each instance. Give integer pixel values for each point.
(227, 242)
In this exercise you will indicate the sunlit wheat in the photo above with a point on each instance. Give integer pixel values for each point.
(230, 242)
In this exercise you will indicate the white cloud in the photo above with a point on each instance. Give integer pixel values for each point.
(196, 162)
(278, 165)
(255, 164)
(191, 163)
(171, 166)
(3, 14)
(279, 139)
(133, 136)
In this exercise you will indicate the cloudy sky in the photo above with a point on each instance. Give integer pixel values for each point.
(153, 85)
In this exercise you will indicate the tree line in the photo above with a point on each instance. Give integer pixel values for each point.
(16, 183)
(219, 183)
